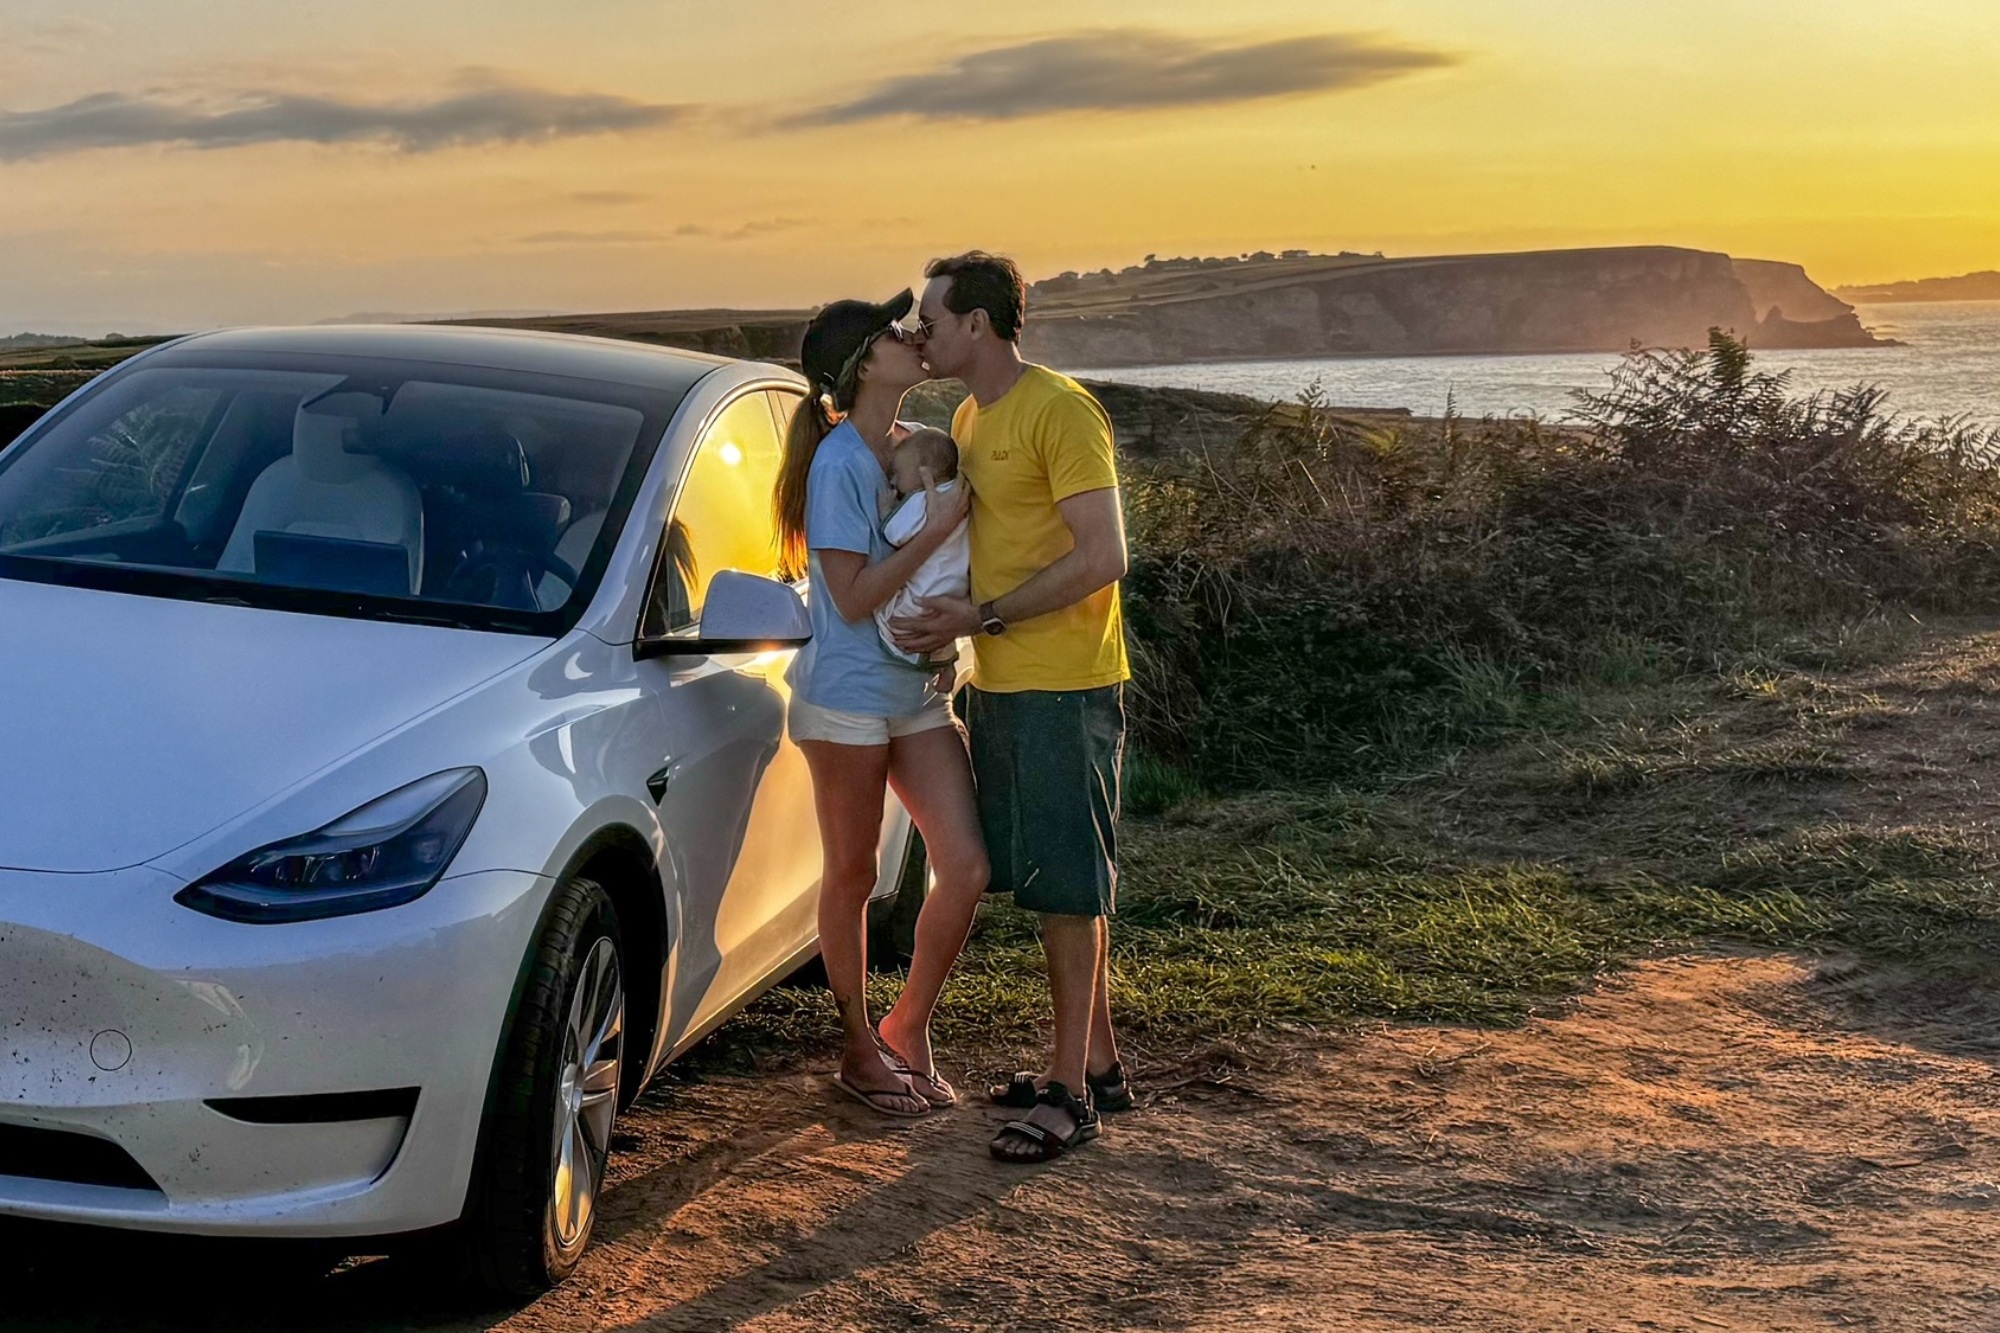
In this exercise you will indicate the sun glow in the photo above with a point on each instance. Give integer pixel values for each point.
(171, 167)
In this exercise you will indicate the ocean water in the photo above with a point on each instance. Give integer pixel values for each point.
(1950, 367)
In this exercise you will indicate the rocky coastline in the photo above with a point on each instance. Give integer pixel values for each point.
(1545, 301)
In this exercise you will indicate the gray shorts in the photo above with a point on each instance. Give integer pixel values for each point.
(1047, 764)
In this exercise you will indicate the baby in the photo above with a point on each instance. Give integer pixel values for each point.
(947, 572)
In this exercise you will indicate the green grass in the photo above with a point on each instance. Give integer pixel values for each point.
(1279, 911)
(1663, 813)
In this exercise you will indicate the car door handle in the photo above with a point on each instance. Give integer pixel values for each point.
(657, 784)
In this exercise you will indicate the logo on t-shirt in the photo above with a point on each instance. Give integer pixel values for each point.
(999, 455)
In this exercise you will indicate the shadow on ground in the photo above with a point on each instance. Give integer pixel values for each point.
(1733, 1140)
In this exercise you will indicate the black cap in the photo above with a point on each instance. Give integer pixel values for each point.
(837, 331)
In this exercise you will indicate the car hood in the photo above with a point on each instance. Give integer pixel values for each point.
(134, 724)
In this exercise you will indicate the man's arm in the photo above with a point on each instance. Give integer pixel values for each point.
(1096, 523)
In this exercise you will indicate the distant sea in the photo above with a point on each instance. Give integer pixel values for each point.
(1949, 367)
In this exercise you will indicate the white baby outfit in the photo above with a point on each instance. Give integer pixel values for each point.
(946, 572)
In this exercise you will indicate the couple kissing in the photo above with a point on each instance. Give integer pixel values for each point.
(1007, 531)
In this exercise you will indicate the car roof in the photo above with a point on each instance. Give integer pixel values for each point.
(526, 350)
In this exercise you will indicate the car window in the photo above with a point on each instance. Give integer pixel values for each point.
(125, 471)
(722, 518)
(322, 478)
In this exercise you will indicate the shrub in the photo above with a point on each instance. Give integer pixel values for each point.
(1328, 598)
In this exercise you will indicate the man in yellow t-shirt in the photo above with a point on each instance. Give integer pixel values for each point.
(1046, 713)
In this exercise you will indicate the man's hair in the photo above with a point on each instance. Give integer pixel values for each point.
(935, 450)
(980, 281)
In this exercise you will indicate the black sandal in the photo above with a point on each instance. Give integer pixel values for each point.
(1050, 1143)
(1109, 1092)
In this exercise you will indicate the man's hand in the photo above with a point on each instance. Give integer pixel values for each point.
(942, 620)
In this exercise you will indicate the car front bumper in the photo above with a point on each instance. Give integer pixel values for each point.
(124, 1017)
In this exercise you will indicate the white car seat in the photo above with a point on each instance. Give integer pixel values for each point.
(572, 549)
(321, 490)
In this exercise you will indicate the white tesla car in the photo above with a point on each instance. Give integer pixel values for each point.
(396, 777)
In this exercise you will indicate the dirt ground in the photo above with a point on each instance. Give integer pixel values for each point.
(1707, 1142)
(1722, 1140)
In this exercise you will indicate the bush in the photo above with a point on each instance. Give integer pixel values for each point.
(1327, 598)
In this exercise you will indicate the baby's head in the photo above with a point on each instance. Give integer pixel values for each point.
(923, 448)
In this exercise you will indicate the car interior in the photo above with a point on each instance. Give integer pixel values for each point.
(435, 491)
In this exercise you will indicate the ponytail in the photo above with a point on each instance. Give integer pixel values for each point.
(812, 422)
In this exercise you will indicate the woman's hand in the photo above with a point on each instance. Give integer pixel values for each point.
(944, 671)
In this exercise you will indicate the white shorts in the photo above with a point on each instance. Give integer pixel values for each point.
(809, 722)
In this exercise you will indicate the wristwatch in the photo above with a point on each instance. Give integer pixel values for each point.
(990, 621)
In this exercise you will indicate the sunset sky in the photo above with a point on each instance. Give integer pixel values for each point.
(169, 166)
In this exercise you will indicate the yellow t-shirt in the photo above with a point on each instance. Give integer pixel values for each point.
(1045, 440)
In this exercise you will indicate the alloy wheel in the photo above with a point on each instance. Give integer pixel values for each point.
(587, 1092)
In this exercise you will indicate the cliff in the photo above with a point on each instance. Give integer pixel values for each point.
(1541, 301)
(765, 335)
(1982, 286)
(1775, 286)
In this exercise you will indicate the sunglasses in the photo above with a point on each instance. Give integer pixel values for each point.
(850, 369)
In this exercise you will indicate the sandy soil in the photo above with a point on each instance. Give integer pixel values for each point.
(1712, 1142)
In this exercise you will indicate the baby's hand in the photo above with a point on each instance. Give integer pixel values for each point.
(944, 510)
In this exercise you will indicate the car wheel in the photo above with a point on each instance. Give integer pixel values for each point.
(548, 1132)
(892, 921)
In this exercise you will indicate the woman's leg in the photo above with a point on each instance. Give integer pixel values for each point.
(849, 782)
(933, 778)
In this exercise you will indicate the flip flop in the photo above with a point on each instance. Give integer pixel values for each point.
(868, 1099)
(940, 1094)
(932, 1088)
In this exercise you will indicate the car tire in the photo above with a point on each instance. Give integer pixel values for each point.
(892, 921)
(555, 1099)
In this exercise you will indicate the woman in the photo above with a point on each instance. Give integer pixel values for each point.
(864, 719)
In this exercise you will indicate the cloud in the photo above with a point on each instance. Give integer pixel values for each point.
(743, 232)
(609, 198)
(594, 238)
(493, 112)
(1128, 69)
(64, 35)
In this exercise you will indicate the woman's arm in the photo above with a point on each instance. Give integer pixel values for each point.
(858, 587)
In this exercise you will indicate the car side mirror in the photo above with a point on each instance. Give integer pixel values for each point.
(743, 613)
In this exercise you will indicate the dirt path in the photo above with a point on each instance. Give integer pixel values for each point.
(1714, 1142)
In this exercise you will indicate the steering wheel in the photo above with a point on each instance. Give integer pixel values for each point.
(505, 576)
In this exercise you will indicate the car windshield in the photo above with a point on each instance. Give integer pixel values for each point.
(382, 488)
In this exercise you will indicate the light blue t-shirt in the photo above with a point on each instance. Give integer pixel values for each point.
(847, 667)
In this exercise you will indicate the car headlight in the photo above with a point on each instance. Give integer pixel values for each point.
(389, 851)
